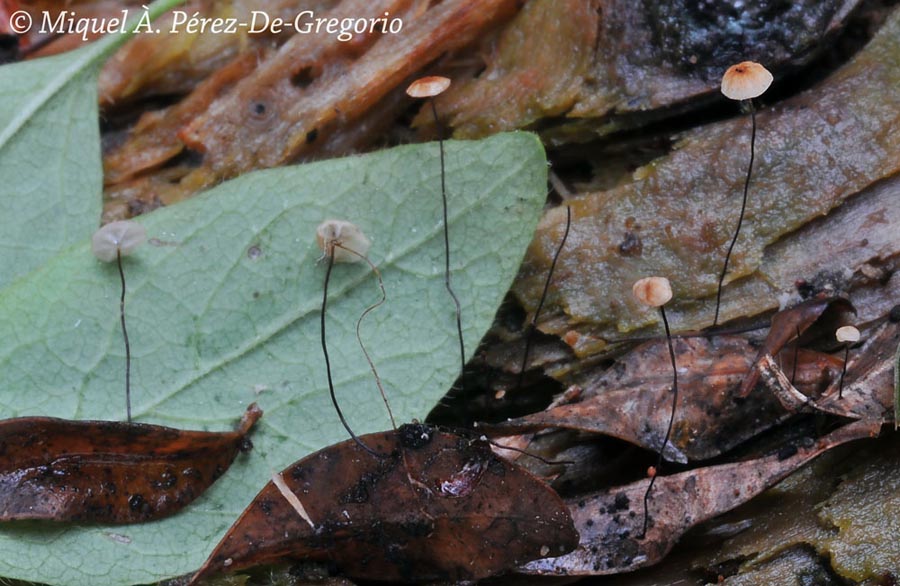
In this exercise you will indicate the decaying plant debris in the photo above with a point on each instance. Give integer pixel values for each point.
(627, 77)
(533, 71)
(428, 510)
(609, 522)
(313, 96)
(815, 150)
(108, 471)
(823, 219)
(630, 401)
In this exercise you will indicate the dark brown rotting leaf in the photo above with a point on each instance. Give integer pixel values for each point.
(448, 508)
(868, 388)
(632, 399)
(610, 520)
(107, 471)
(787, 325)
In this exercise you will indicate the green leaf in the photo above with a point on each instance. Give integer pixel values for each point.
(223, 310)
(51, 177)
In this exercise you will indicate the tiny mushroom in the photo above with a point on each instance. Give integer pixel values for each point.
(656, 292)
(846, 335)
(110, 243)
(342, 239)
(428, 87)
(117, 238)
(652, 291)
(745, 81)
(742, 82)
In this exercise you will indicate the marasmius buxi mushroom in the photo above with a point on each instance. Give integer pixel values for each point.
(431, 87)
(846, 335)
(742, 82)
(656, 292)
(112, 242)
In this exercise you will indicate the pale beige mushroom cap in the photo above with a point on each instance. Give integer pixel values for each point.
(428, 87)
(652, 291)
(124, 236)
(745, 81)
(347, 235)
(847, 334)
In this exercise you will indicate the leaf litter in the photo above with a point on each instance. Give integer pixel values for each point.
(684, 235)
(869, 389)
(616, 545)
(107, 471)
(436, 506)
(787, 325)
(278, 284)
(764, 358)
(609, 521)
(631, 401)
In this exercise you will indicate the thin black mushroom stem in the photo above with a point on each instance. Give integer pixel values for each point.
(430, 87)
(341, 242)
(112, 242)
(846, 335)
(742, 82)
(796, 357)
(532, 325)
(529, 337)
(656, 292)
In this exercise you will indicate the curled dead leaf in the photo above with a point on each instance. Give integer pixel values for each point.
(632, 400)
(787, 325)
(610, 521)
(868, 388)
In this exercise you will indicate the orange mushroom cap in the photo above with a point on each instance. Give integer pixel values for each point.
(652, 291)
(428, 87)
(745, 81)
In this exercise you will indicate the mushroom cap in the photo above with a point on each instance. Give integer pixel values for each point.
(745, 81)
(347, 235)
(428, 87)
(652, 291)
(124, 236)
(847, 334)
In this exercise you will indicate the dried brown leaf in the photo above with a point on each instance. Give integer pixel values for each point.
(438, 506)
(868, 385)
(610, 521)
(632, 399)
(787, 325)
(107, 471)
